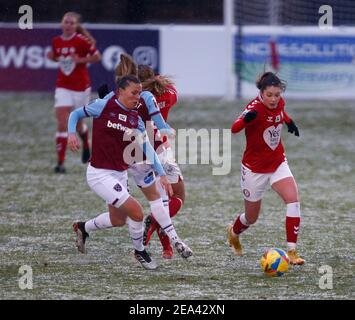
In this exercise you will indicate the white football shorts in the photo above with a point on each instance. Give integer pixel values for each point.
(171, 168)
(110, 185)
(253, 184)
(144, 175)
(69, 98)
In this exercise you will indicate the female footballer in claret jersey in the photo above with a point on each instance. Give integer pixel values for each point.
(143, 172)
(73, 50)
(264, 162)
(116, 122)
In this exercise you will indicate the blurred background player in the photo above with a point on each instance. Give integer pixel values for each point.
(73, 49)
(264, 162)
(143, 172)
(115, 122)
(165, 94)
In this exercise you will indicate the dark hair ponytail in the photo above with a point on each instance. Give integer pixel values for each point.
(268, 79)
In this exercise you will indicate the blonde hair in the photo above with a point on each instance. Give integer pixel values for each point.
(156, 84)
(80, 29)
(126, 67)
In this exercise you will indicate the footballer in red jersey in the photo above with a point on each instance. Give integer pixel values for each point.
(264, 162)
(73, 50)
(166, 100)
(165, 94)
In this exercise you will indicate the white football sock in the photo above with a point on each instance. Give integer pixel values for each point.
(163, 218)
(164, 195)
(243, 220)
(102, 221)
(136, 229)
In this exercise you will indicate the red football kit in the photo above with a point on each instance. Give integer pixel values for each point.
(166, 101)
(72, 76)
(264, 150)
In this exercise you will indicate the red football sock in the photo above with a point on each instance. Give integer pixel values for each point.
(164, 239)
(175, 205)
(292, 228)
(238, 226)
(61, 143)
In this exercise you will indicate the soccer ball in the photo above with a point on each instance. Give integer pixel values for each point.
(274, 262)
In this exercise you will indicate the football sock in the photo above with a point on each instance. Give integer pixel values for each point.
(164, 239)
(240, 224)
(61, 139)
(163, 194)
(175, 205)
(102, 221)
(293, 220)
(136, 229)
(164, 220)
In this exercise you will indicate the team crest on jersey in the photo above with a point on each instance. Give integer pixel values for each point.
(133, 118)
(118, 187)
(122, 117)
(66, 65)
(246, 192)
(161, 105)
(278, 118)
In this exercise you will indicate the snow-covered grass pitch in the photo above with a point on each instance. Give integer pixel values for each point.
(38, 207)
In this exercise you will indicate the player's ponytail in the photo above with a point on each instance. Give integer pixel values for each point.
(80, 29)
(157, 84)
(126, 67)
(268, 79)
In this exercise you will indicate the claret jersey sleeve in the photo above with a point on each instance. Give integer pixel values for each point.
(93, 109)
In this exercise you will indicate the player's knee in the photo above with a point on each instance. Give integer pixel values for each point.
(137, 215)
(179, 191)
(181, 196)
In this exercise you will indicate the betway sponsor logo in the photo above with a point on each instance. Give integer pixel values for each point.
(118, 126)
(32, 57)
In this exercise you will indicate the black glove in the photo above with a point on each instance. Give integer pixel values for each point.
(292, 128)
(249, 116)
(103, 90)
